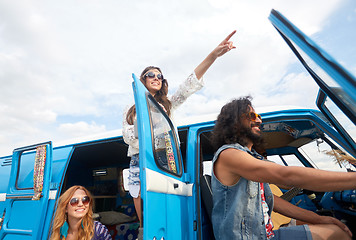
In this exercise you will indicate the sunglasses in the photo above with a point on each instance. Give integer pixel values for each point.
(253, 116)
(75, 201)
(152, 75)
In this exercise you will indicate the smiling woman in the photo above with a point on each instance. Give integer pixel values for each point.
(74, 217)
(152, 78)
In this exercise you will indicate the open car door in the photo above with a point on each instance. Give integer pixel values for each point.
(28, 193)
(337, 87)
(165, 188)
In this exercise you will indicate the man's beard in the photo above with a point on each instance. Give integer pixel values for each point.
(255, 138)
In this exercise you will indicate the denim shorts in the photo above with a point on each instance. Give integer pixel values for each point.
(299, 232)
(134, 171)
(134, 176)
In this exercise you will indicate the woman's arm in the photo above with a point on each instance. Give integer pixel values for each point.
(128, 132)
(220, 50)
(194, 82)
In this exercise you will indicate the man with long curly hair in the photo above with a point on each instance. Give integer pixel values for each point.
(242, 198)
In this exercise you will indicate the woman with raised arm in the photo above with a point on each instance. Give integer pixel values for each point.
(157, 85)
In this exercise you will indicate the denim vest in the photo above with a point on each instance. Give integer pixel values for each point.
(237, 210)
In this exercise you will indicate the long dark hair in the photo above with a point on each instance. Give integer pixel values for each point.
(228, 128)
(160, 96)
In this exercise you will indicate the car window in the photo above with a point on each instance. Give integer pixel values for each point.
(345, 122)
(285, 160)
(165, 147)
(25, 172)
(322, 155)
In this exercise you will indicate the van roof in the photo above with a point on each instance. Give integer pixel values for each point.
(181, 122)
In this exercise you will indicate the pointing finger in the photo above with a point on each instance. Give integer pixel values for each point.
(229, 36)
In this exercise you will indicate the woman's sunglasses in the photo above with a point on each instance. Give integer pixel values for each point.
(253, 116)
(75, 201)
(152, 75)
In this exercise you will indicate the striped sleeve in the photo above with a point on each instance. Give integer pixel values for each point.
(101, 232)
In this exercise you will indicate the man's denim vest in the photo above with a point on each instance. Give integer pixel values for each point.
(237, 210)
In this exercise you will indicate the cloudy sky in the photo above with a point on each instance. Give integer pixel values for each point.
(65, 66)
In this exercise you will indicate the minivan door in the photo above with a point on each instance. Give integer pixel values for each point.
(165, 188)
(337, 87)
(28, 193)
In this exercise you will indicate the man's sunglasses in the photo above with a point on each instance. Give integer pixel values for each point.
(253, 116)
(152, 75)
(75, 201)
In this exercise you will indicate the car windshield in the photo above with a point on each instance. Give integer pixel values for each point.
(320, 155)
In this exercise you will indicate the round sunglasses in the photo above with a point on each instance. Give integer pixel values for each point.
(152, 75)
(75, 201)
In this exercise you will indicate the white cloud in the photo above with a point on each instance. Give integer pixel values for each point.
(80, 129)
(65, 67)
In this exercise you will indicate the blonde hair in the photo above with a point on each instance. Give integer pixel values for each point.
(86, 232)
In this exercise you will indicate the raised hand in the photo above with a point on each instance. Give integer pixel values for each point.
(224, 46)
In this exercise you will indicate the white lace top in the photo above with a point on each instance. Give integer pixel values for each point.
(186, 89)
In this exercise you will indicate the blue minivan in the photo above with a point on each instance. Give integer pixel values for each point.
(176, 197)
